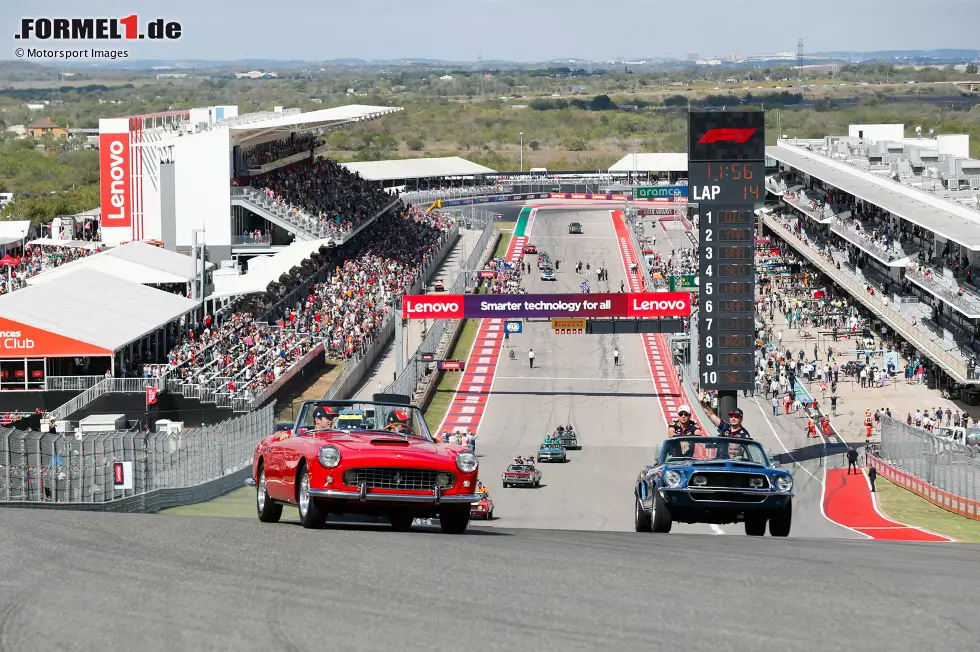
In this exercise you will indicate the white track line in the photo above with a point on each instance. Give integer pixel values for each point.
(584, 379)
(823, 479)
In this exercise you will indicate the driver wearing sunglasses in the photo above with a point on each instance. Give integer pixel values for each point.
(683, 426)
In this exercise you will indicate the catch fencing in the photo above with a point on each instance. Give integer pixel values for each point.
(947, 465)
(78, 468)
(414, 372)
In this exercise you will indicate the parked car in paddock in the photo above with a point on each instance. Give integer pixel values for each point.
(521, 475)
(716, 480)
(340, 459)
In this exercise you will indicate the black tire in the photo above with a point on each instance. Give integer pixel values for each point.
(660, 517)
(490, 515)
(268, 510)
(539, 460)
(755, 527)
(641, 519)
(454, 519)
(311, 516)
(401, 522)
(780, 524)
(506, 486)
(537, 483)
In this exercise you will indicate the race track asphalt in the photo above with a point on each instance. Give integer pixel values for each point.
(613, 408)
(106, 582)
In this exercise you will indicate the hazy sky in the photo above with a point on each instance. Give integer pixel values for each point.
(518, 30)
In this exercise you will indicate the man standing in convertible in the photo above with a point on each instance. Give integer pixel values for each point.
(731, 428)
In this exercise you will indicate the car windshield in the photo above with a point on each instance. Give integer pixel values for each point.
(713, 448)
(518, 468)
(405, 420)
(550, 445)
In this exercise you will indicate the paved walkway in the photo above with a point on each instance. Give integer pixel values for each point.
(897, 395)
(848, 501)
(383, 372)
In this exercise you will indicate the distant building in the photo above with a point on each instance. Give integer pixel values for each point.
(256, 74)
(44, 127)
(171, 75)
(446, 78)
(36, 106)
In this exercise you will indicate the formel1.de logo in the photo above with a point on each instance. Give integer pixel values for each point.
(128, 28)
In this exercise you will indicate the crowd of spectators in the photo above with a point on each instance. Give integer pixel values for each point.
(335, 199)
(273, 151)
(38, 259)
(234, 354)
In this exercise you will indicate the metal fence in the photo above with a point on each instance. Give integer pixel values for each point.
(414, 372)
(943, 463)
(38, 467)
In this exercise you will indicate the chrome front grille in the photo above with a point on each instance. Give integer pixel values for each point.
(399, 478)
(722, 480)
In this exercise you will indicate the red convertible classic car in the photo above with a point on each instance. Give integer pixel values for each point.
(373, 458)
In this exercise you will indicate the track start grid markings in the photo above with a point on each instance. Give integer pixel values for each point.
(470, 400)
(655, 346)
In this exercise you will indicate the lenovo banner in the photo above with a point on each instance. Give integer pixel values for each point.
(116, 191)
(433, 306)
(646, 305)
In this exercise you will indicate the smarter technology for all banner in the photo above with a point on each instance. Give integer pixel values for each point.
(533, 306)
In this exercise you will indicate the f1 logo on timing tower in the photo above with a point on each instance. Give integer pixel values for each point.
(726, 135)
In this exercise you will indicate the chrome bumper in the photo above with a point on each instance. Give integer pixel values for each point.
(436, 497)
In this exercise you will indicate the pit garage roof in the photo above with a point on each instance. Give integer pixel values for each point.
(86, 313)
(950, 224)
(284, 125)
(652, 162)
(268, 270)
(134, 261)
(417, 168)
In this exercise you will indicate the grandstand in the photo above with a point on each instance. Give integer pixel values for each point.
(173, 175)
(895, 222)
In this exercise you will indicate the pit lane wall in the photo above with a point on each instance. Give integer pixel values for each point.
(129, 471)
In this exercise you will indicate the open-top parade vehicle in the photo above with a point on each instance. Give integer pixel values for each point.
(374, 458)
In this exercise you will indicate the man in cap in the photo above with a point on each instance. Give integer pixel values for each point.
(323, 417)
(731, 428)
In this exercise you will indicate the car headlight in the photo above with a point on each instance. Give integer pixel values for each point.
(672, 478)
(784, 482)
(329, 457)
(466, 462)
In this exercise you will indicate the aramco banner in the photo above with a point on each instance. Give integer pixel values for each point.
(646, 305)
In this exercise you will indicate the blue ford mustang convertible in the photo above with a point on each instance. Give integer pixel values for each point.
(716, 480)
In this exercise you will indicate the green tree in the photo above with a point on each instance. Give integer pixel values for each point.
(534, 145)
(971, 69)
(415, 143)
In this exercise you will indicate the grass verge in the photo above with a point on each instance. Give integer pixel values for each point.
(501, 250)
(506, 227)
(904, 506)
(446, 389)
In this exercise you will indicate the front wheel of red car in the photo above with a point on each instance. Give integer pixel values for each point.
(311, 515)
(455, 519)
(269, 511)
(401, 522)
